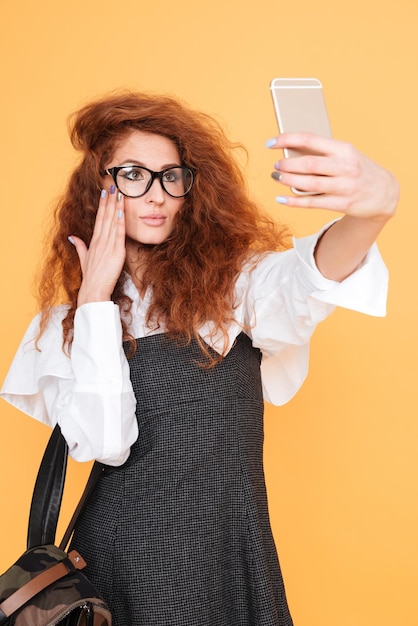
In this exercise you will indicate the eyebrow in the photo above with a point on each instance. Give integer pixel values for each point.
(140, 164)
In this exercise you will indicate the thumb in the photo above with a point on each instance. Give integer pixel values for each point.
(80, 247)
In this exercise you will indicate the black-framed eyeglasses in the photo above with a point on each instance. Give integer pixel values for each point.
(134, 181)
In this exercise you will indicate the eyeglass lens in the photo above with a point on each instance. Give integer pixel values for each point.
(134, 181)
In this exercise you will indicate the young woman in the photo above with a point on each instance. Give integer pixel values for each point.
(170, 309)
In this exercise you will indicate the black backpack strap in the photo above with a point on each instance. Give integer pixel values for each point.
(95, 473)
(47, 494)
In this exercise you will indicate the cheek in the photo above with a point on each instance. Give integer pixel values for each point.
(177, 210)
(130, 204)
(131, 207)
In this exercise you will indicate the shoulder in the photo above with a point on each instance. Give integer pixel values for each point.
(258, 267)
(51, 333)
(38, 359)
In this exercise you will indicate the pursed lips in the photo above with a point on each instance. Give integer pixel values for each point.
(153, 219)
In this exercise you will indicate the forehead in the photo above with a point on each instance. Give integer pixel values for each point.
(146, 148)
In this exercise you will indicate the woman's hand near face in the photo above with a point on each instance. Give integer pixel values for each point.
(344, 181)
(102, 263)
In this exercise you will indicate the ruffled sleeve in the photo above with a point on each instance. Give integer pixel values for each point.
(286, 297)
(90, 394)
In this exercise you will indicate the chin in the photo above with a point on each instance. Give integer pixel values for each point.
(146, 242)
(151, 241)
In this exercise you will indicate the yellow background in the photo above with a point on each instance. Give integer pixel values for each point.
(341, 458)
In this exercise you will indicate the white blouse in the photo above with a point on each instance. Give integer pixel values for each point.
(90, 394)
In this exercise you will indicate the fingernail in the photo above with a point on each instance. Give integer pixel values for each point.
(103, 193)
(277, 165)
(112, 189)
(120, 213)
(271, 142)
(71, 240)
(119, 196)
(276, 175)
(281, 199)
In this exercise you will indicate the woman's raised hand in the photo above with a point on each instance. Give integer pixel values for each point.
(346, 180)
(343, 180)
(102, 262)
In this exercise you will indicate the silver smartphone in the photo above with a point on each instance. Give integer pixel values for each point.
(299, 105)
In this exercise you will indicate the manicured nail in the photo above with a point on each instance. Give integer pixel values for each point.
(119, 196)
(103, 193)
(71, 240)
(281, 199)
(276, 175)
(271, 142)
(120, 214)
(112, 189)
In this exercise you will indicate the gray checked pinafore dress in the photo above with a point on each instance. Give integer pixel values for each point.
(179, 535)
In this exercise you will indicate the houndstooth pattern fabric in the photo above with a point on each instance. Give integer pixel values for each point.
(179, 535)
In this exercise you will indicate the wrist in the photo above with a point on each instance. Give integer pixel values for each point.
(85, 296)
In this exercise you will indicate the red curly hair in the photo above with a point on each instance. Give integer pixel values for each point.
(193, 273)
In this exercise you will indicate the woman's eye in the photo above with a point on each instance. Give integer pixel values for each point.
(133, 174)
(170, 177)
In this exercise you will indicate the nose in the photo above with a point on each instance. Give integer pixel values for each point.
(156, 192)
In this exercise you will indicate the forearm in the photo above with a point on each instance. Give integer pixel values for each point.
(96, 410)
(338, 178)
(344, 245)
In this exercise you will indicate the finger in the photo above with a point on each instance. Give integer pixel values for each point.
(316, 184)
(308, 143)
(105, 213)
(309, 164)
(327, 202)
(119, 229)
(110, 243)
(100, 213)
(115, 222)
(80, 247)
(106, 207)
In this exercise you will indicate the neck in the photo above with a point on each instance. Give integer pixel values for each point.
(136, 261)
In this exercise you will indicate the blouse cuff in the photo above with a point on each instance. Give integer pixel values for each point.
(97, 334)
(365, 290)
